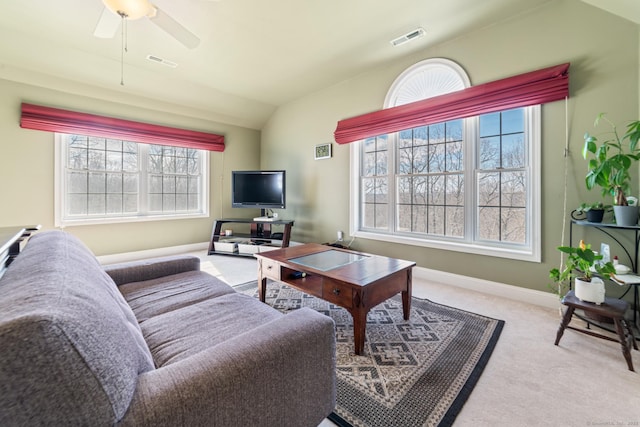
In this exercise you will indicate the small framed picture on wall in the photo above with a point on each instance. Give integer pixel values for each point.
(323, 151)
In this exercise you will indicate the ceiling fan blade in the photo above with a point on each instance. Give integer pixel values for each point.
(174, 28)
(107, 24)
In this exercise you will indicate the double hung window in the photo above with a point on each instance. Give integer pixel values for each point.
(111, 180)
(469, 185)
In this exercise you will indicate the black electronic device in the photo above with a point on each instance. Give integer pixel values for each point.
(258, 189)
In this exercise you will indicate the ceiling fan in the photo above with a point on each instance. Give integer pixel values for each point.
(116, 11)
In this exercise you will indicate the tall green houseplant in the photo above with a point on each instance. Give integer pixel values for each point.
(612, 159)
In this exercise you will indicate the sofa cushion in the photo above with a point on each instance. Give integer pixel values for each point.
(178, 334)
(153, 297)
(71, 346)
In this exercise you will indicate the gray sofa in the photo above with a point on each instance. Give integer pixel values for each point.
(152, 343)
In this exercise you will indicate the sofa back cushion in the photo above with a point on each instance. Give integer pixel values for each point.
(72, 349)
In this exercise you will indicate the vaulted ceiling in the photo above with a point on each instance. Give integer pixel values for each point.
(253, 56)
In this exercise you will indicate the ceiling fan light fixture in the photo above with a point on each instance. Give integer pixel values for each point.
(132, 9)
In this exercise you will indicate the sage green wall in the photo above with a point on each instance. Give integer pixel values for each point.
(27, 165)
(603, 51)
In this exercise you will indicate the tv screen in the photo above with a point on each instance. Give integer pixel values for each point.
(258, 189)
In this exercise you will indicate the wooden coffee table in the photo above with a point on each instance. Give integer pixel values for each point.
(356, 281)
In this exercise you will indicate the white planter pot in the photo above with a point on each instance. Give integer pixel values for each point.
(590, 291)
(626, 215)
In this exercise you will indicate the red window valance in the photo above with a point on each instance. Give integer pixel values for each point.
(533, 88)
(56, 120)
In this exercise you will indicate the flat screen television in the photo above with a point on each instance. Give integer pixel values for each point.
(258, 189)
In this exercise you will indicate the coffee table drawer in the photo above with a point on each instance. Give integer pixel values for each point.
(337, 293)
(270, 269)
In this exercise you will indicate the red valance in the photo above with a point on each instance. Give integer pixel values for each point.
(56, 120)
(533, 88)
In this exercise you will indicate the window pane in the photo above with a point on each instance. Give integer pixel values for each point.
(77, 204)
(435, 220)
(513, 225)
(435, 190)
(454, 156)
(454, 131)
(382, 142)
(513, 121)
(404, 218)
(455, 221)
(489, 223)
(97, 143)
(436, 133)
(490, 153)
(381, 163)
(97, 182)
(77, 158)
(97, 204)
(114, 161)
(77, 182)
(404, 190)
(155, 164)
(114, 145)
(97, 160)
(381, 216)
(436, 158)
(420, 159)
(419, 219)
(369, 164)
(405, 160)
(489, 125)
(114, 203)
(489, 189)
(513, 151)
(114, 183)
(405, 138)
(513, 189)
(455, 190)
(421, 136)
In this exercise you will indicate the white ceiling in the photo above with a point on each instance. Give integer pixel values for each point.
(254, 54)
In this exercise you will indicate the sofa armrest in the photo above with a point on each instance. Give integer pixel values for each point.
(281, 373)
(149, 269)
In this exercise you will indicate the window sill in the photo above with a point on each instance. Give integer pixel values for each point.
(126, 219)
(465, 247)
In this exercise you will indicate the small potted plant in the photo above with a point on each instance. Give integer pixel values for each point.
(582, 263)
(594, 212)
(609, 167)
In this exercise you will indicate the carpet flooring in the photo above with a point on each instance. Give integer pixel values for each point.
(412, 373)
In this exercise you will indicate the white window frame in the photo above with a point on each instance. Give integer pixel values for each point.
(60, 193)
(530, 251)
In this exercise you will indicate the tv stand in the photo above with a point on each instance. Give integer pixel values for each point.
(260, 238)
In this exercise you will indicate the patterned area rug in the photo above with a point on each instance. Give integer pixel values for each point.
(413, 373)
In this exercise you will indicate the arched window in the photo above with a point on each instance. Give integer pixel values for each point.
(469, 185)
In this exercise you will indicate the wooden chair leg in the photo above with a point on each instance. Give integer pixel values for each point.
(564, 323)
(624, 343)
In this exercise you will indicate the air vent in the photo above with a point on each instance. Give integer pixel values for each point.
(412, 35)
(166, 62)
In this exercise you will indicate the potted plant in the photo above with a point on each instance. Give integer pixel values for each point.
(610, 164)
(594, 212)
(582, 263)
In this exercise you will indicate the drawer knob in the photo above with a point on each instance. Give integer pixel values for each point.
(269, 267)
(336, 291)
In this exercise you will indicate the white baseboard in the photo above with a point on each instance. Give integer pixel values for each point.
(152, 253)
(544, 299)
(531, 296)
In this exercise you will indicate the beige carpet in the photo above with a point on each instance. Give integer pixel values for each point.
(528, 381)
